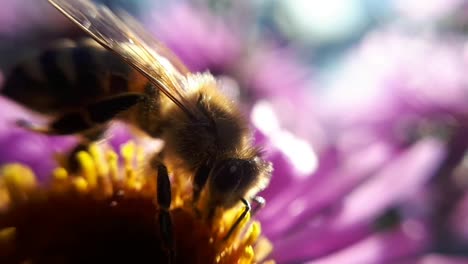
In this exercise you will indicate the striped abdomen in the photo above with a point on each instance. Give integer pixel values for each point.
(70, 75)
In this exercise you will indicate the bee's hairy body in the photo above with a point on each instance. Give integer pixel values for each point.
(70, 76)
(133, 77)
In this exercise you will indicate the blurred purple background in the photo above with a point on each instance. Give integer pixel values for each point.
(362, 106)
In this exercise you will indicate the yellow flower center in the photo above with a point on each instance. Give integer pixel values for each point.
(106, 213)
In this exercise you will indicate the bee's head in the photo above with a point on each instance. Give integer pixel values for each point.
(232, 179)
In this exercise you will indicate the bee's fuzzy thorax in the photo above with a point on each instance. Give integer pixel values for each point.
(219, 131)
(219, 134)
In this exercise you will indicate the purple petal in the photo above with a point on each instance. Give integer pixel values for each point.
(22, 16)
(327, 186)
(201, 40)
(395, 182)
(350, 219)
(418, 78)
(459, 219)
(440, 259)
(388, 247)
(32, 149)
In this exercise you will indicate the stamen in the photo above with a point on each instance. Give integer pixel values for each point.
(60, 174)
(112, 161)
(81, 185)
(252, 234)
(87, 168)
(18, 180)
(102, 167)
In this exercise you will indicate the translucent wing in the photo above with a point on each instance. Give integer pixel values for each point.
(126, 37)
(157, 46)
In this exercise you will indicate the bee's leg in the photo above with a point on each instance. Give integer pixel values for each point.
(92, 115)
(260, 203)
(103, 111)
(247, 209)
(163, 200)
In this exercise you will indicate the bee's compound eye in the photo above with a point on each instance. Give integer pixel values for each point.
(233, 169)
(231, 174)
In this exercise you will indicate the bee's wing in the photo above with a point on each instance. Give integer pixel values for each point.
(147, 38)
(124, 36)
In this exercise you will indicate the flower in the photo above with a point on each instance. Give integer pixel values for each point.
(35, 188)
(359, 171)
(106, 213)
(344, 210)
(392, 145)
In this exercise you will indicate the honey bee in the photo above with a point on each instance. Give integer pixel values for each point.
(125, 74)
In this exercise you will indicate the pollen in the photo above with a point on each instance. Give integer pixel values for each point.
(106, 212)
